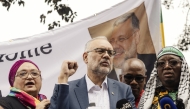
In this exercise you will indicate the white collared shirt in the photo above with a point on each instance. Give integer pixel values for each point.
(98, 95)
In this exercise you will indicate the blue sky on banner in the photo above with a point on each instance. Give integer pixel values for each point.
(24, 21)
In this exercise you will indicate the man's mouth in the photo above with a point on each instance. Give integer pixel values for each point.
(168, 74)
(118, 54)
(134, 88)
(105, 63)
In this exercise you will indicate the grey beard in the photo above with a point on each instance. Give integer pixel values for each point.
(97, 70)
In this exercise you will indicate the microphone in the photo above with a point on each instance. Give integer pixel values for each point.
(180, 104)
(123, 104)
(92, 104)
(166, 102)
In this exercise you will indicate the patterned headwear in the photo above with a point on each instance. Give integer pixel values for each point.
(170, 50)
(14, 69)
(154, 82)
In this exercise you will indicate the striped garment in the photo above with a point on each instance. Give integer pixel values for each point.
(27, 100)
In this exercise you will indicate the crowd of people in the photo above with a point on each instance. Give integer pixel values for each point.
(168, 83)
(169, 78)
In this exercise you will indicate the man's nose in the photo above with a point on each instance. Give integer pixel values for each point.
(115, 44)
(106, 54)
(133, 81)
(167, 65)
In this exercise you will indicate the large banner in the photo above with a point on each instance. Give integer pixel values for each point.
(49, 49)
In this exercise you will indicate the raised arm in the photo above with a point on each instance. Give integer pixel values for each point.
(60, 98)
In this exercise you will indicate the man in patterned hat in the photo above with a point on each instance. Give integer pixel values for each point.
(169, 79)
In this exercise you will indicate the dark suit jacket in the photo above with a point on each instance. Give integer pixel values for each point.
(78, 95)
(148, 60)
(10, 102)
(60, 98)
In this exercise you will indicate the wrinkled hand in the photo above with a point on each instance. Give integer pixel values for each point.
(68, 68)
(43, 104)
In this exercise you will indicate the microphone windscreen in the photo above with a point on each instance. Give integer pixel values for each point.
(166, 102)
(180, 104)
(123, 104)
(92, 104)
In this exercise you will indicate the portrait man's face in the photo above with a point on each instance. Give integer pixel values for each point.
(124, 41)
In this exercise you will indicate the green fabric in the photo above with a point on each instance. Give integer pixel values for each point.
(170, 50)
(173, 95)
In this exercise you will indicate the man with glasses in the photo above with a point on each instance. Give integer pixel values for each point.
(125, 38)
(169, 81)
(94, 88)
(133, 74)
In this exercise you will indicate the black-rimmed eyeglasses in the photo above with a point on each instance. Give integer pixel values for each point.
(24, 74)
(103, 50)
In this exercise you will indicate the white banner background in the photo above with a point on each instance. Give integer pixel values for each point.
(68, 43)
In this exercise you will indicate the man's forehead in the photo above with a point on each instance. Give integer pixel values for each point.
(100, 43)
(134, 71)
(168, 56)
(122, 29)
(132, 67)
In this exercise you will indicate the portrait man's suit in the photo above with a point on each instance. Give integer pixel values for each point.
(78, 95)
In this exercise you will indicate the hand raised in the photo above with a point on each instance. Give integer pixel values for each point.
(68, 68)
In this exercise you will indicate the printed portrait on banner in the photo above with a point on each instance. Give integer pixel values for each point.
(130, 37)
